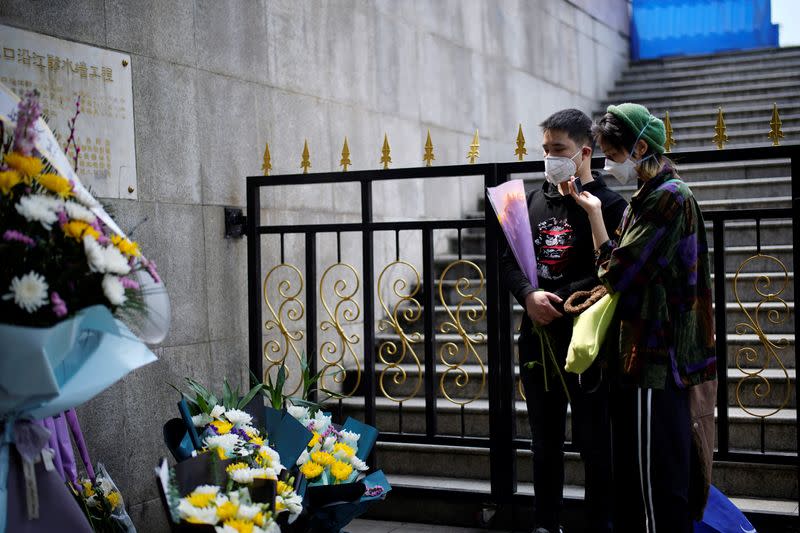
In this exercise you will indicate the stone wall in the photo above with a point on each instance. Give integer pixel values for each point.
(213, 80)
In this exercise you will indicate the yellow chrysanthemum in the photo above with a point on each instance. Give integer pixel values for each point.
(280, 506)
(235, 466)
(323, 458)
(341, 470)
(8, 180)
(242, 526)
(56, 184)
(283, 488)
(126, 246)
(201, 499)
(314, 440)
(222, 426)
(227, 510)
(343, 447)
(28, 166)
(88, 491)
(255, 439)
(259, 519)
(220, 452)
(113, 499)
(310, 469)
(78, 229)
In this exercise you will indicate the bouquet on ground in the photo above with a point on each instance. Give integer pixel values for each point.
(212, 507)
(228, 432)
(509, 203)
(102, 503)
(68, 273)
(336, 487)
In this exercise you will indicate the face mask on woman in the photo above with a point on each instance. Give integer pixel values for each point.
(626, 170)
(559, 169)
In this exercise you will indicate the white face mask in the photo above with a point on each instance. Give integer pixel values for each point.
(559, 169)
(626, 171)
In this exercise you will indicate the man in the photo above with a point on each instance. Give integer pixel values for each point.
(565, 261)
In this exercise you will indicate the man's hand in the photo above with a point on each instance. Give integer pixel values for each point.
(540, 309)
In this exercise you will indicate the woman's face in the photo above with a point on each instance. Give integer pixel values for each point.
(617, 155)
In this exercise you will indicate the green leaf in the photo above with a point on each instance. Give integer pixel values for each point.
(332, 394)
(249, 396)
(227, 395)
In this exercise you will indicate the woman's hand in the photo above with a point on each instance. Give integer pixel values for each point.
(589, 202)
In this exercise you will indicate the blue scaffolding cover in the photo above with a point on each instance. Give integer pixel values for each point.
(674, 27)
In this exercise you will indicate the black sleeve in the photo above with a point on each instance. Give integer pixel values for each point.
(511, 274)
(612, 214)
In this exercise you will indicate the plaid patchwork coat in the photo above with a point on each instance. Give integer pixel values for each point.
(658, 262)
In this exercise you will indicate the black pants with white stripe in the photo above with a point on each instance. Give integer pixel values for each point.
(651, 439)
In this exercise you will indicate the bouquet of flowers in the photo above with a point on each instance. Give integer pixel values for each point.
(508, 202)
(228, 433)
(213, 508)
(102, 502)
(67, 270)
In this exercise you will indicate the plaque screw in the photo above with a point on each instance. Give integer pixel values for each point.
(130, 189)
(124, 62)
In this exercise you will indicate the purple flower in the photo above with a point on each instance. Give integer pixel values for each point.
(28, 112)
(62, 217)
(16, 236)
(371, 492)
(151, 269)
(129, 283)
(59, 307)
(102, 239)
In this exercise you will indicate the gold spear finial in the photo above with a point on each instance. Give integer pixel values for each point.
(474, 152)
(386, 158)
(669, 141)
(266, 166)
(306, 162)
(775, 131)
(521, 151)
(720, 137)
(345, 162)
(428, 157)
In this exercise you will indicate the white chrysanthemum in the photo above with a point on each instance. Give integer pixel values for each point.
(343, 456)
(250, 430)
(222, 499)
(327, 446)
(113, 289)
(37, 208)
(225, 529)
(358, 464)
(206, 489)
(243, 476)
(201, 420)
(299, 412)
(217, 411)
(76, 211)
(84, 197)
(238, 418)
(198, 515)
(274, 456)
(321, 421)
(247, 512)
(29, 292)
(350, 438)
(304, 457)
(293, 503)
(106, 484)
(269, 527)
(94, 254)
(115, 262)
(225, 442)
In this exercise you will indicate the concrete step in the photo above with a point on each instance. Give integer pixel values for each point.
(734, 479)
(736, 345)
(754, 114)
(707, 102)
(732, 89)
(710, 83)
(787, 508)
(768, 388)
(690, 126)
(736, 60)
(745, 420)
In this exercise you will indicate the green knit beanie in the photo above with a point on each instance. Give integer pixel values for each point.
(638, 118)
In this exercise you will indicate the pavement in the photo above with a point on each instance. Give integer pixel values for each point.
(380, 526)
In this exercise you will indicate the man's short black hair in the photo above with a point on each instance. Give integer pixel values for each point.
(574, 122)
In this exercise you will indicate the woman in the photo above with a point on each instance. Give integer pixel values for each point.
(658, 263)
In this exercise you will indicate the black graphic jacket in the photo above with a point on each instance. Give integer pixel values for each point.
(562, 238)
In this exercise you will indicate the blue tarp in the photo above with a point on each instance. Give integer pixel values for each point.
(674, 27)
